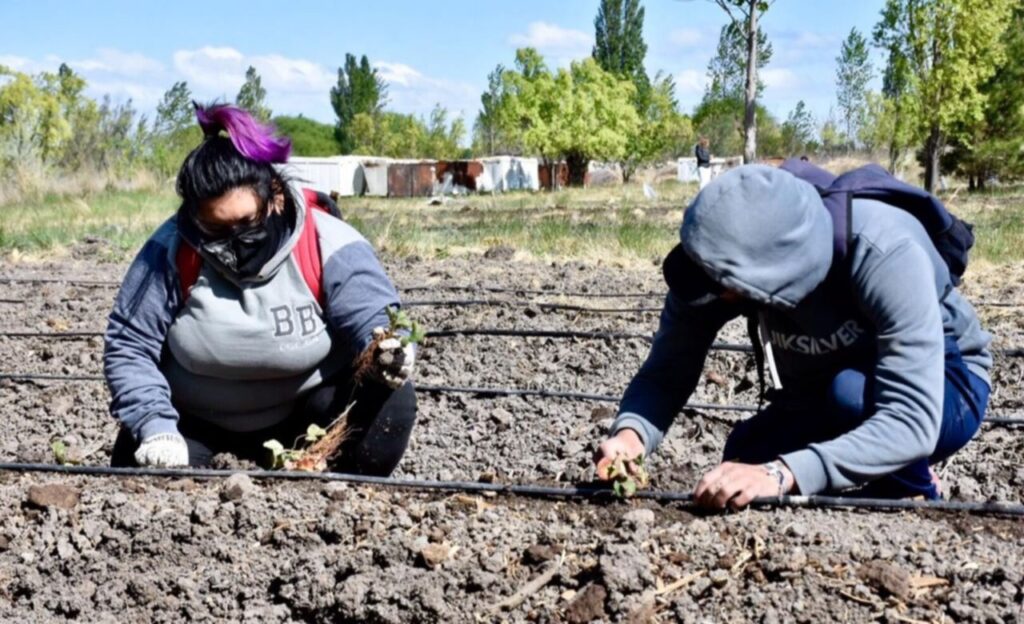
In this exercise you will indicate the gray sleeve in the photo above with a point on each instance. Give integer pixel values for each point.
(136, 330)
(897, 293)
(357, 294)
(670, 374)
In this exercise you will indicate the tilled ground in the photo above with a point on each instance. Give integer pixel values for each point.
(170, 550)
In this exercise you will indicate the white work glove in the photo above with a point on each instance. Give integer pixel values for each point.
(393, 363)
(163, 450)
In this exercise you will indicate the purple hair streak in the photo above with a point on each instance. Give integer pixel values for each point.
(252, 139)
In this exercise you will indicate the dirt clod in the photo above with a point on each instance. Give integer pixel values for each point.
(539, 553)
(500, 252)
(588, 605)
(888, 576)
(434, 554)
(236, 487)
(50, 495)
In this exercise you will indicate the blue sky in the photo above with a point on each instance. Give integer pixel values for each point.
(429, 52)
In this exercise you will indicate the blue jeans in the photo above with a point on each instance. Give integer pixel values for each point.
(783, 427)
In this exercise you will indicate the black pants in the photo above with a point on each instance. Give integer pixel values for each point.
(379, 427)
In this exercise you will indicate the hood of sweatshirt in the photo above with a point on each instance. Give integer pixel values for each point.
(761, 232)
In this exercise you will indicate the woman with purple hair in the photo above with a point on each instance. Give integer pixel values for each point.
(241, 318)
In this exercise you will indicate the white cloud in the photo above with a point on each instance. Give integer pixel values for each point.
(211, 68)
(691, 81)
(111, 61)
(17, 63)
(398, 73)
(564, 44)
(410, 91)
(687, 38)
(780, 78)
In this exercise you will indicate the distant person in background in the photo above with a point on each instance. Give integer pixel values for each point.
(703, 162)
(240, 319)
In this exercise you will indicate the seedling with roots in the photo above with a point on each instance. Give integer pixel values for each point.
(319, 446)
(628, 476)
(400, 327)
(313, 451)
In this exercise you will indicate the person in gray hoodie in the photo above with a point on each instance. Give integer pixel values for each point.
(220, 340)
(882, 366)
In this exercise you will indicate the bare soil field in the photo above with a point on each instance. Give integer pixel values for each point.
(96, 549)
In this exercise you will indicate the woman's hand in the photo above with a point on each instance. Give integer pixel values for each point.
(734, 485)
(163, 450)
(625, 444)
(394, 363)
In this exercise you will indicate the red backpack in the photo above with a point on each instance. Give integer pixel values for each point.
(306, 250)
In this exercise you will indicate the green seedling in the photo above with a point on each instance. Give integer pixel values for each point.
(280, 457)
(399, 320)
(313, 450)
(628, 476)
(60, 452)
(314, 432)
(398, 323)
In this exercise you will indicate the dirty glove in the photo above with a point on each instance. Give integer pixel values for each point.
(393, 363)
(163, 450)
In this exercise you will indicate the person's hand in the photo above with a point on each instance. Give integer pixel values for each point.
(393, 363)
(735, 485)
(625, 444)
(164, 450)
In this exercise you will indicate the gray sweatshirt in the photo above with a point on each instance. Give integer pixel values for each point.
(765, 234)
(238, 353)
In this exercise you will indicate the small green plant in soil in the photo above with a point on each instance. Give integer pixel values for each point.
(628, 476)
(60, 453)
(311, 451)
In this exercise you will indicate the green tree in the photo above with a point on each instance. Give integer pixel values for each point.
(398, 135)
(578, 114)
(252, 96)
(309, 137)
(174, 112)
(359, 90)
(662, 131)
(951, 48)
(487, 135)
(994, 146)
(853, 73)
(797, 132)
(721, 121)
(175, 132)
(443, 139)
(33, 121)
(619, 46)
(727, 70)
(745, 15)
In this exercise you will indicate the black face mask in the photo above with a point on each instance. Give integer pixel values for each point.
(246, 250)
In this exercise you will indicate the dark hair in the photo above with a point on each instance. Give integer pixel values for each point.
(244, 158)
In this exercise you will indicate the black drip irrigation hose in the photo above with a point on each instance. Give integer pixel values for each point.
(494, 392)
(441, 333)
(439, 287)
(449, 288)
(562, 307)
(577, 396)
(1012, 352)
(514, 489)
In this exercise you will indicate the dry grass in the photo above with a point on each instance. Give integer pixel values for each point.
(613, 225)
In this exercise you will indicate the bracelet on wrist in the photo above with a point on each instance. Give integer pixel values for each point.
(774, 469)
